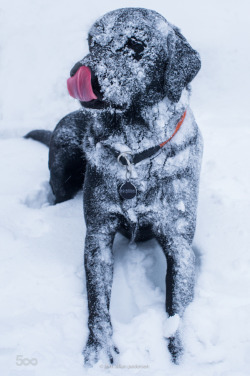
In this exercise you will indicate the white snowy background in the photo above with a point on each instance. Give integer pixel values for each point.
(43, 307)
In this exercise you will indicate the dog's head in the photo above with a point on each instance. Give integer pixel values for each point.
(136, 58)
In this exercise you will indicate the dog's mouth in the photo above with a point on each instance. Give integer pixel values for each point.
(84, 86)
(79, 85)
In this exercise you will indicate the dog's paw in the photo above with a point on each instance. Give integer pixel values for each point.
(175, 347)
(91, 354)
(95, 351)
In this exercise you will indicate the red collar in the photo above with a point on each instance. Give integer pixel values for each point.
(175, 131)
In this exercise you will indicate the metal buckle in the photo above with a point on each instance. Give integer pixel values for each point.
(129, 164)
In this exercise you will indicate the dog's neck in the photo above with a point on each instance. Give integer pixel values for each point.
(140, 128)
(135, 130)
(163, 116)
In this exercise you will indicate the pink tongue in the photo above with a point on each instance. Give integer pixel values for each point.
(79, 86)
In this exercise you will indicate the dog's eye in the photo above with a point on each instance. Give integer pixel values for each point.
(137, 46)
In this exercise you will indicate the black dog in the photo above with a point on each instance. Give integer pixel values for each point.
(133, 86)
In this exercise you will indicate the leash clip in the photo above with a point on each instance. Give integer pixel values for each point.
(128, 165)
(127, 190)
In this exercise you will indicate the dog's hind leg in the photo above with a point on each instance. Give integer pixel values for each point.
(180, 279)
(67, 162)
(67, 168)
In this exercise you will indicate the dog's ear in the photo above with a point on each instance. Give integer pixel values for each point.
(183, 65)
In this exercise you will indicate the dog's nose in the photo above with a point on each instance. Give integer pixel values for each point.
(75, 68)
(79, 84)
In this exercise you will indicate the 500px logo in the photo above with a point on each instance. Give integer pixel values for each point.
(20, 361)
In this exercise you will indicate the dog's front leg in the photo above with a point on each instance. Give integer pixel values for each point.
(180, 280)
(98, 259)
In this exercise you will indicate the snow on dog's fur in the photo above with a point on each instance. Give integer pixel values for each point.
(141, 67)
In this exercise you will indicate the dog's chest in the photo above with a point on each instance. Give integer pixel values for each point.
(160, 192)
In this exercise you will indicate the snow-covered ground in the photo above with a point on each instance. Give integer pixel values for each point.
(43, 311)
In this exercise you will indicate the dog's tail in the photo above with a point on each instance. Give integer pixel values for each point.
(40, 135)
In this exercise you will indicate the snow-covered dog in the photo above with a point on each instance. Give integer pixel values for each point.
(137, 147)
